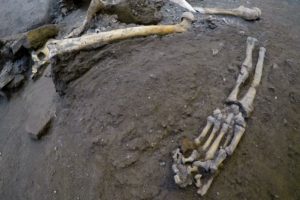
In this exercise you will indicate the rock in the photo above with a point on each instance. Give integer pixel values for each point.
(137, 11)
(39, 126)
(18, 16)
(16, 82)
(5, 75)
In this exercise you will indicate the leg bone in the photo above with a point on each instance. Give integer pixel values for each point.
(243, 12)
(54, 47)
(248, 99)
(245, 70)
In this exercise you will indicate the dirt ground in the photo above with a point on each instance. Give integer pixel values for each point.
(117, 124)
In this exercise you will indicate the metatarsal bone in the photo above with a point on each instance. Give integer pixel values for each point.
(210, 122)
(214, 147)
(243, 12)
(238, 133)
(248, 99)
(245, 70)
(54, 47)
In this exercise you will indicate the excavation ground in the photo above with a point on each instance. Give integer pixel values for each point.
(116, 126)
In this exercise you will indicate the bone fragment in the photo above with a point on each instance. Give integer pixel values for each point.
(243, 12)
(248, 99)
(184, 4)
(245, 70)
(54, 47)
(191, 158)
(204, 187)
(94, 7)
(213, 148)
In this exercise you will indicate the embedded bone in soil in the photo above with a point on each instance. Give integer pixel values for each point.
(245, 70)
(228, 126)
(54, 47)
(184, 4)
(243, 12)
(247, 100)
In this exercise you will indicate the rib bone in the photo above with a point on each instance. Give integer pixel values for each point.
(247, 100)
(55, 47)
(245, 70)
(243, 12)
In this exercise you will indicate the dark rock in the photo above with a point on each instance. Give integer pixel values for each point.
(16, 82)
(6, 76)
(18, 16)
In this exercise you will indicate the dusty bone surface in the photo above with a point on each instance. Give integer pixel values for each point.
(53, 48)
(222, 133)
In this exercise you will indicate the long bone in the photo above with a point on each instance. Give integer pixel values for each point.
(248, 99)
(55, 47)
(243, 12)
(246, 68)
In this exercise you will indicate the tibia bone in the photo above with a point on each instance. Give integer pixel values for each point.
(55, 47)
(248, 99)
(246, 68)
(243, 12)
(238, 133)
(210, 122)
(215, 145)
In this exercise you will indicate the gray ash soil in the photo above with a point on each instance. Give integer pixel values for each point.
(117, 124)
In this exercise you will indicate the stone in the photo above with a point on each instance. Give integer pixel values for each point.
(39, 126)
(18, 16)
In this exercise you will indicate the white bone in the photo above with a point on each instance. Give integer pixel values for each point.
(204, 187)
(191, 158)
(238, 133)
(184, 4)
(210, 122)
(245, 70)
(198, 180)
(213, 148)
(248, 99)
(55, 47)
(243, 12)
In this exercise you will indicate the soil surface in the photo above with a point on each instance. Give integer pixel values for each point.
(116, 126)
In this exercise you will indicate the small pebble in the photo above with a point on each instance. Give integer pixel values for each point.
(54, 192)
(162, 163)
(275, 98)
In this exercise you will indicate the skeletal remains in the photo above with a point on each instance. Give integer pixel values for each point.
(97, 5)
(227, 126)
(55, 47)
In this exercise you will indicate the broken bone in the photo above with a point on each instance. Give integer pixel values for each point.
(243, 12)
(55, 47)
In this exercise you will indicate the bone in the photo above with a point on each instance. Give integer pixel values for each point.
(238, 133)
(243, 12)
(213, 148)
(217, 124)
(204, 187)
(211, 165)
(94, 7)
(54, 47)
(184, 4)
(248, 99)
(191, 158)
(245, 70)
(210, 122)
